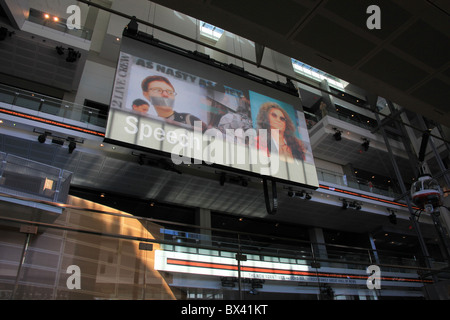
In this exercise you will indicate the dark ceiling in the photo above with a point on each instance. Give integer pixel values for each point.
(406, 61)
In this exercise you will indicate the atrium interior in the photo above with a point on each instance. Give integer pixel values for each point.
(77, 189)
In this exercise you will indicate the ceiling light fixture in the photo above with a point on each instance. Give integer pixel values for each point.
(365, 144)
(337, 134)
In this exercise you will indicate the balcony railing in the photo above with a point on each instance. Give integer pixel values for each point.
(49, 108)
(26, 178)
(57, 23)
(342, 180)
(118, 255)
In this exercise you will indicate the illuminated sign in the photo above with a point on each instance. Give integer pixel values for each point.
(199, 113)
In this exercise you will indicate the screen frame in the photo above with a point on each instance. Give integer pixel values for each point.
(287, 88)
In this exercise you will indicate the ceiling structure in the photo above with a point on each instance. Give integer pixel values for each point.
(406, 60)
(116, 172)
(319, 33)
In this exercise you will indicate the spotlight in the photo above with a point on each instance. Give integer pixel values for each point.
(393, 218)
(72, 55)
(337, 134)
(42, 138)
(60, 50)
(351, 204)
(72, 146)
(365, 144)
(300, 194)
(132, 27)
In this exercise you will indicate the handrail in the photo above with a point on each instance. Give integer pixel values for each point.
(38, 17)
(57, 107)
(233, 236)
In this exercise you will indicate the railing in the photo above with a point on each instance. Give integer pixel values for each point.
(48, 107)
(23, 177)
(257, 247)
(342, 180)
(351, 117)
(117, 252)
(60, 24)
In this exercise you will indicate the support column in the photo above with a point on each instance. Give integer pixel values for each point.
(317, 238)
(415, 223)
(203, 220)
(374, 249)
(327, 104)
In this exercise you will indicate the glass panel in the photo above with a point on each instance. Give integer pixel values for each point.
(113, 255)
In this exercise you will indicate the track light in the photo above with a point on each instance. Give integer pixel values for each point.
(42, 138)
(392, 217)
(299, 194)
(344, 204)
(351, 204)
(60, 50)
(72, 55)
(337, 134)
(132, 27)
(72, 146)
(57, 140)
(365, 144)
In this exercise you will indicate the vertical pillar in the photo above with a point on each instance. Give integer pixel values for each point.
(203, 220)
(327, 99)
(317, 238)
(404, 191)
(349, 171)
(374, 249)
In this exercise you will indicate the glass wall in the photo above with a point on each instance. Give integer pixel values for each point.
(95, 252)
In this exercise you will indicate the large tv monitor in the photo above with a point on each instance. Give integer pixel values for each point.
(196, 112)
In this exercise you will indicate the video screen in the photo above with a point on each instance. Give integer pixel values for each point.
(199, 113)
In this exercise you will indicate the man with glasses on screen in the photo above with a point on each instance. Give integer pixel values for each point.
(161, 94)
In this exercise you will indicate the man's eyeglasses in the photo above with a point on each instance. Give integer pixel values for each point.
(274, 115)
(160, 91)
